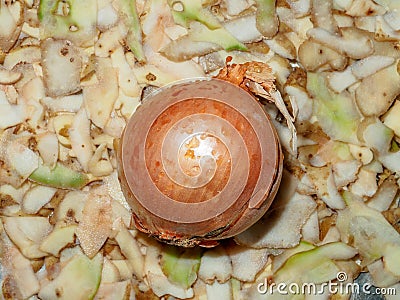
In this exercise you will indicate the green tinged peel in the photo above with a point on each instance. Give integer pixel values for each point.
(180, 265)
(373, 235)
(73, 20)
(185, 11)
(394, 146)
(129, 15)
(280, 259)
(316, 265)
(219, 36)
(60, 177)
(79, 279)
(336, 113)
(266, 19)
(203, 25)
(236, 287)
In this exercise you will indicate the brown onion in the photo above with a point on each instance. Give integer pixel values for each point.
(199, 161)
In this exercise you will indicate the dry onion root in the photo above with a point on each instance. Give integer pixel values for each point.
(335, 65)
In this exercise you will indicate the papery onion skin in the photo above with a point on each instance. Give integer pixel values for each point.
(199, 161)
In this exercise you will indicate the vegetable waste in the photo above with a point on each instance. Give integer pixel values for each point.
(73, 72)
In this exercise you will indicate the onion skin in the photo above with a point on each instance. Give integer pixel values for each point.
(198, 162)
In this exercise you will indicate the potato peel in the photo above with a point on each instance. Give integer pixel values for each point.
(95, 226)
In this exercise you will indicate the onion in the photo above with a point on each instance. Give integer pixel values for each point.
(230, 163)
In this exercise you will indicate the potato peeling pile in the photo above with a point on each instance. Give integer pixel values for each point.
(71, 74)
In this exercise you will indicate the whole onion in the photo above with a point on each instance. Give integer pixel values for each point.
(199, 161)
